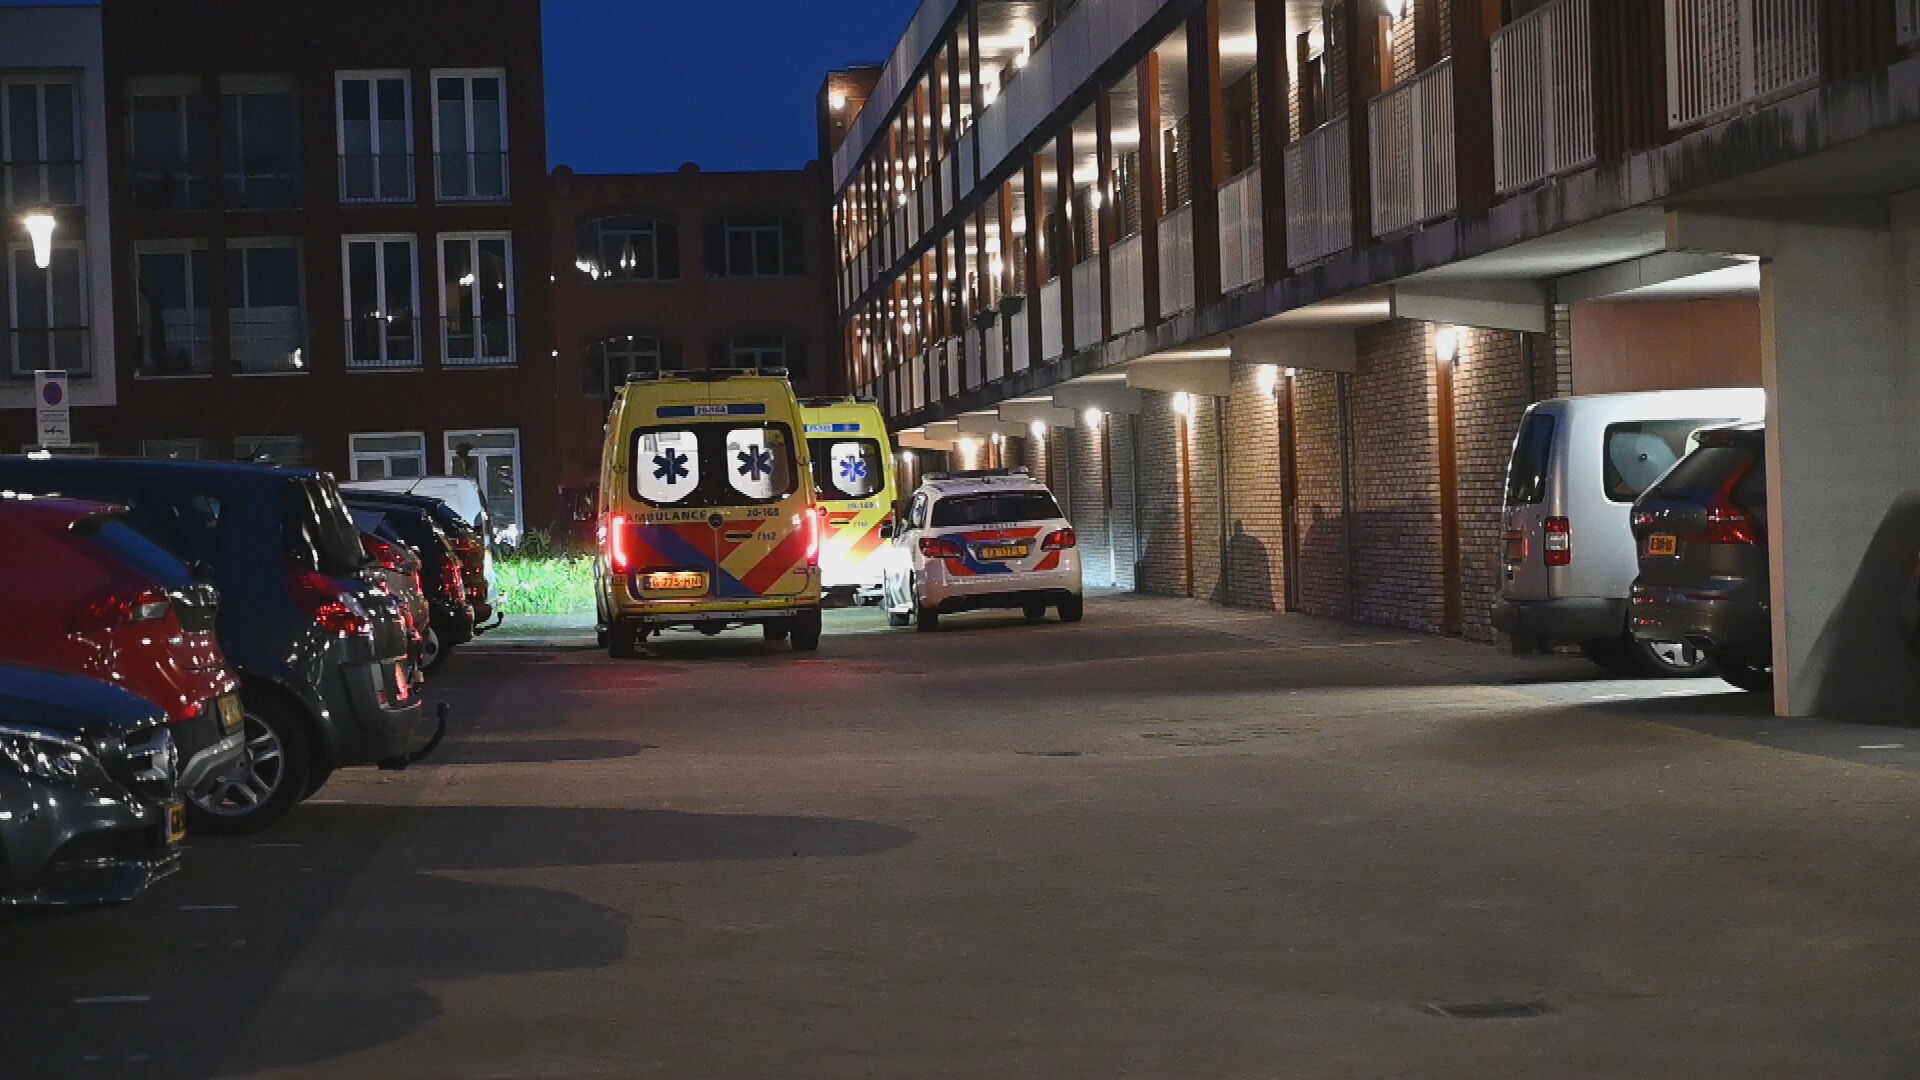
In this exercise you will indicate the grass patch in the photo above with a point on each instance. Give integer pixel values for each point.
(545, 584)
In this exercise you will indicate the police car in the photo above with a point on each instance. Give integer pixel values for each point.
(977, 540)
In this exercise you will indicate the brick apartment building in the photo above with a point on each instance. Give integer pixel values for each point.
(678, 271)
(1264, 286)
(330, 245)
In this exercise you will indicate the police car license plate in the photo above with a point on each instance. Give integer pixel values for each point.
(1663, 544)
(1004, 551)
(677, 581)
(176, 822)
(231, 717)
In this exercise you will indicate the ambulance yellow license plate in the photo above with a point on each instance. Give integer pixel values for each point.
(1004, 551)
(1663, 545)
(176, 822)
(676, 581)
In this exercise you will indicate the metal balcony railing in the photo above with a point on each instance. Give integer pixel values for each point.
(383, 343)
(1052, 329)
(41, 183)
(477, 341)
(264, 343)
(1176, 261)
(1412, 138)
(168, 185)
(1242, 229)
(177, 343)
(1319, 194)
(1086, 303)
(263, 183)
(1128, 261)
(58, 348)
(376, 178)
(471, 176)
(1725, 54)
(1543, 95)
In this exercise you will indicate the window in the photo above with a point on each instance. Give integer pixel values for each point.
(260, 142)
(684, 466)
(1532, 461)
(995, 508)
(375, 137)
(470, 135)
(609, 363)
(382, 297)
(757, 351)
(175, 323)
(288, 451)
(174, 449)
(756, 245)
(492, 459)
(265, 319)
(39, 141)
(630, 247)
(476, 279)
(1638, 454)
(46, 312)
(169, 144)
(388, 456)
(847, 468)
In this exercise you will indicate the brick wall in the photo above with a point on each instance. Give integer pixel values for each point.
(1088, 510)
(1256, 513)
(1323, 547)
(1396, 490)
(1125, 523)
(1162, 568)
(1490, 395)
(1208, 525)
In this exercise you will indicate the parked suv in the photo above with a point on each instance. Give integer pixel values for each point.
(1704, 576)
(449, 612)
(321, 648)
(87, 595)
(88, 771)
(977, 540)
(476, 557)
(1578, 465)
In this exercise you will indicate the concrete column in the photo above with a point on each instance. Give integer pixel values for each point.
(1152, 185)
(1840, 342)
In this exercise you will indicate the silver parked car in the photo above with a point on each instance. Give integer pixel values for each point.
(1570, 559)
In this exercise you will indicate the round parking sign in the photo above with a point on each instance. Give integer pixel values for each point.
(53, 393)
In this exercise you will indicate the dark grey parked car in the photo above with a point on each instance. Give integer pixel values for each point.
(326, 679)
(88, 813)
(1704, 576)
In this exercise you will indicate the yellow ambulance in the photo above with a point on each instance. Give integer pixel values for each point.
(707, 516)
(854, 484)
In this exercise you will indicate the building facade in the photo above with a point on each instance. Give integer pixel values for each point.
(53, 155)
(330, 246)
(1265, 285)
(682, 271)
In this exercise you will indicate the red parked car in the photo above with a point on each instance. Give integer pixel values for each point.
(87, 595)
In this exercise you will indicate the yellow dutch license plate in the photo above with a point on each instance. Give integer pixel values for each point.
(1663, 544)
(231, 718)
(1004, 551)
(176, 822)
(679, 581)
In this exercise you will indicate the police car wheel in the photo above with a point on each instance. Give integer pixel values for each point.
(1034, 612)
(925, 621)
(1072, 610)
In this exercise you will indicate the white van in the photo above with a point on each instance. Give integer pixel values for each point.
(460, 493)
(1570, 561)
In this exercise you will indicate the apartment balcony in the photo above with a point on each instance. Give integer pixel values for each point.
(263, 183)
(267, 342)
(58, 348)
(477, 341)
(1127, 261)
(1176, 261)
(173, 184)
(41, 184)
(1086, 303)
(1543, 115)
(1723, 55)
(1242, 232)
(176, 344)
(1053, 336)
(376, 178)
(1412, 131)
(383, 343)
(471, 176)
(1319, 194)
(1022, 344)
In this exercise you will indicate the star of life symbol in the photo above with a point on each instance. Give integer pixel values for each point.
(670, 465)
(755, 462)
(853, 470)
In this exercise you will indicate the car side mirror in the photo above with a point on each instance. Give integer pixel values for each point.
(888, 531)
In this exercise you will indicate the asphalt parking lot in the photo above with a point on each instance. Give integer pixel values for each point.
(1169, 842)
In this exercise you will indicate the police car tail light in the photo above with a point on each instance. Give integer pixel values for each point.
(617, 552)
(1059, 540)
(939, 547)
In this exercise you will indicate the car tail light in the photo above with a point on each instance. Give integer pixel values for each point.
(112, 610)
(384, 553)
(1558, 547)
(816, 528)
(1060, 540)
(939, 547)
(618, 553)
(1727, 523)
(332, 610)
(452, 579)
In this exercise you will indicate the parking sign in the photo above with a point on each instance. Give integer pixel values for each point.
(53, 419)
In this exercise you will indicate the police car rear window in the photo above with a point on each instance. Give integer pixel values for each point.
(994, 508)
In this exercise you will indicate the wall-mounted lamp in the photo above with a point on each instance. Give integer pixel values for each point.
(1267, 377)
(1397, 8)
(1446, 344)
(40, 229)
(1093, 417)
(1183, 404)
(1037, 429)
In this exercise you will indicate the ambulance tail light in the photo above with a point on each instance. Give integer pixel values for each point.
(939, 547)
(816, 528)
(618, 554)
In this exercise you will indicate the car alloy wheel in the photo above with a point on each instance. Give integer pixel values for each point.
(261, 770)
(275, 771)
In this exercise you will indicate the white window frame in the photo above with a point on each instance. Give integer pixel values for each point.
(356, 455)
(232, 172)
(466, 77)
(735, 350)
(203, 335)
(237, 300)
(451, 441)
(8, 151)
(373, 77)
(472, 240)
(11, 285)
(779, 231)
(188, 91)
(380, 272)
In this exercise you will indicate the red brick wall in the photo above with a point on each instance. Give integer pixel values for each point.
(1396, 488)
(1208, 538)
(1125, 523)
(1256, 525)
(1087, 493)
(1161, 530)
(1490, 395)
(1323, 545)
